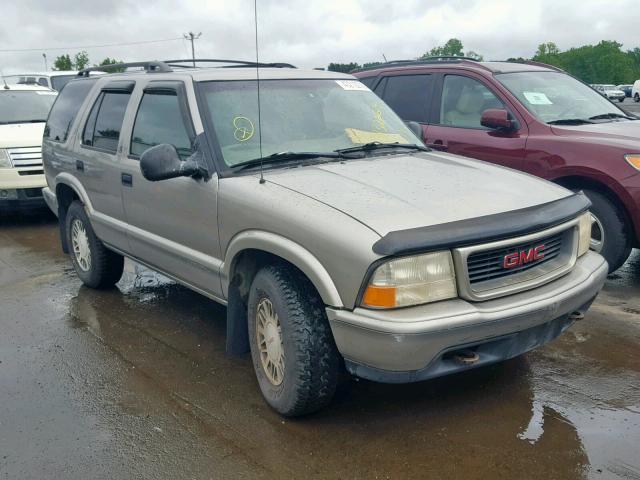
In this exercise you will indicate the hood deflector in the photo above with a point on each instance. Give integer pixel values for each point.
(482, 229)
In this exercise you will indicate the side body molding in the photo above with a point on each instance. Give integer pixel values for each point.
(290, 251)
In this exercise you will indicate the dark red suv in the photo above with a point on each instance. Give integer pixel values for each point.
(530, 117)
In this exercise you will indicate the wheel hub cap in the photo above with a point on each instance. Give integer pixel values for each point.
(80, 244)
(269, 337)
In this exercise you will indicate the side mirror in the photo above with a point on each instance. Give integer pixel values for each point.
(497, 119)
(163, 162)
(416, 128)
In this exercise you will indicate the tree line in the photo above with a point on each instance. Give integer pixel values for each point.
(81, 60)
(605, 62)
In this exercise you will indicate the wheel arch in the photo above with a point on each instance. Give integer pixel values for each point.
(247, 253)
(576, 182)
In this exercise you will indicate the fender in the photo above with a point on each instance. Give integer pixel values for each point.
(290, 251)
(69, 180)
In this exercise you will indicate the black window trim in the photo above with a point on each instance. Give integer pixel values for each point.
(116, 86)
(75, 117)
(166, 87)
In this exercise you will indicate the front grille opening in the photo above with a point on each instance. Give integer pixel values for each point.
(30, 172)
(489, 265)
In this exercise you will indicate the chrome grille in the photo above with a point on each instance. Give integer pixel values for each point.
(481, 272)
(25, 157)
(488, 265)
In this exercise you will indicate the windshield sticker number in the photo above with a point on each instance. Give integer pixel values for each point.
(537, 98)
(352, 85)
(244, 128)
(360, 137)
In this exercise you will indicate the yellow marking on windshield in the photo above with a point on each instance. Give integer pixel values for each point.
(361, 137)
(378, 120)
(244, 128)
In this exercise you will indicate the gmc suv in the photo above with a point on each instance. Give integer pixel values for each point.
(332, 234)
(531, 117)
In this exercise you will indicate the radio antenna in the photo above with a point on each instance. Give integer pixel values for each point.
(255, 16)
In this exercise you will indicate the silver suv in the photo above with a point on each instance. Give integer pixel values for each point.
(334, 237)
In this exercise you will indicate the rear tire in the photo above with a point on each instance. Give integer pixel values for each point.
(615, 244)
(292, 347)
(621, 100)
(636, 97)
(97, 266)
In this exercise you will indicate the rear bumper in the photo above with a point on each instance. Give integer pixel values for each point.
(411, 344)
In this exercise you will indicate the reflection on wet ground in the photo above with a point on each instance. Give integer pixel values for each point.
(134, 382)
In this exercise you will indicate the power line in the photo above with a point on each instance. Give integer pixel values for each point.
(89, 46)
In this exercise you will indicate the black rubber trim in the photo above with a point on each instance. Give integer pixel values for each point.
(482, 229)
(119, 86)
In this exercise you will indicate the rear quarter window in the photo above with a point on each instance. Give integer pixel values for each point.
(65, 109)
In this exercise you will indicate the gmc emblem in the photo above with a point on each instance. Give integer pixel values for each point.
(522, 257)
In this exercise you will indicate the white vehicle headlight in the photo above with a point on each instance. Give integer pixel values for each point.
(584, 227)
(4, 159)
(411, 281)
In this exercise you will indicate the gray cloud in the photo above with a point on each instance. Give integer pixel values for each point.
(308, 34)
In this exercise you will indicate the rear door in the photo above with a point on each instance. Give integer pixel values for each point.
(456, 128)
(173, 224)
(409, 95)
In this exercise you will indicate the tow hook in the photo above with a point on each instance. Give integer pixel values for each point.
(577, 315)
(466, 357)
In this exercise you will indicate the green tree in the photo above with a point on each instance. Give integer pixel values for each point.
(81, 60)
(453, 48)
(343, 67)
(111, 61)
(63, 62)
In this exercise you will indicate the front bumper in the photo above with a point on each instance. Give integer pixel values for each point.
(21, 199)
(412, 344)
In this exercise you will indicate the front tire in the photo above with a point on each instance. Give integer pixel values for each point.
(97, 266)
(609, 234)
(292, 348)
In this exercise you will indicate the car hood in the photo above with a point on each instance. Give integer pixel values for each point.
(21, 135)
(619, 134)
(398, 192)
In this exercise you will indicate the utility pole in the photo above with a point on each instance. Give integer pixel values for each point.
(191, 37)
(46, 67)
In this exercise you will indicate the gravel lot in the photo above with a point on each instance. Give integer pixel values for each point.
(134, 383)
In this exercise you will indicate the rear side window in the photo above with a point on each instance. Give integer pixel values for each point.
(103, 126)
(408, 96)
(65, 109)
(160, 120)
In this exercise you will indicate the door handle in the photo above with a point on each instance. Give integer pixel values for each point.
(80, 165)
(437, 145)
(127, 180)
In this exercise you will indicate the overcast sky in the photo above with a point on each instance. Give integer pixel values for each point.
(308, 33)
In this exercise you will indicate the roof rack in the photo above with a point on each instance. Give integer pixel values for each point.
(157, 66)
(420, 61)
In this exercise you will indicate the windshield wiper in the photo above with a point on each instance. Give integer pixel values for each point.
(283, 157)
(367, 147)
(569, 121)
(603, 116)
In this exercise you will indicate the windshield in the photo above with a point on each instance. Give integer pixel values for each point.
(298, 116)
(20, 106)
(59, 81)
(554, 96)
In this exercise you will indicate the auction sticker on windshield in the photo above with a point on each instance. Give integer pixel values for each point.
(537, 98)
(352, 85)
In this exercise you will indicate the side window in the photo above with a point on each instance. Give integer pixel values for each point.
(65, 109)
(43, 81)
(463, 101)
(380, 87)
(103, 126)
(408, 96)
(368, 81)
(160, 120)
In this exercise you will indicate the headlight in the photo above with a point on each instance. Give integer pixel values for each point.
(633, 159)
(4, 159)
(584, 226)
(411, 281)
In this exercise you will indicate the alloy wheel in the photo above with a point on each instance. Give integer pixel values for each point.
(80, 244)
(269, 337)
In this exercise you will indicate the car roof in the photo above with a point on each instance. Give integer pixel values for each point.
(37, 88)
(486, 67)
(55, 73)
(235, 73)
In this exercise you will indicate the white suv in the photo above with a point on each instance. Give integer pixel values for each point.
(635, 91)
(23, 113)
(54, 79)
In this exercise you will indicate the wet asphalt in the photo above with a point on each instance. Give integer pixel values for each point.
(134, 383)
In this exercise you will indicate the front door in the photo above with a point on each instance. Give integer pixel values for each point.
(172, 223)
(456, 127)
